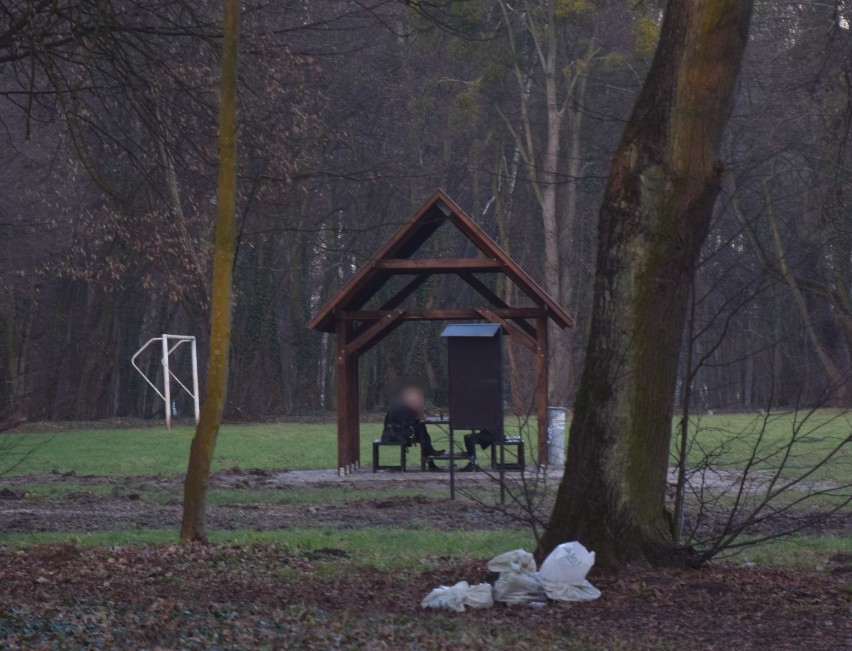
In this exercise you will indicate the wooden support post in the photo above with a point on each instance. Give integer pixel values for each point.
(541, 388)
(341, 376)
(348, 434)
(354, 414)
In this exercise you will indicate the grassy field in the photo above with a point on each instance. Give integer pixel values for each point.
(35, 492)
(137, 453)
(154, 451)
(385, 549)
(342, 565)
(377, 547)
(799, 441)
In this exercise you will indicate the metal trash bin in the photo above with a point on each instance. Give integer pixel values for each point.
(556, 436)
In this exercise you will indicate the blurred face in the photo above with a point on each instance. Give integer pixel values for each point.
(413, 398)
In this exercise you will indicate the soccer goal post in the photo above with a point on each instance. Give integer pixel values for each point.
(168, 345)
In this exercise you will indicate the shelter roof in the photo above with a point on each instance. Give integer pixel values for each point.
(395, 257)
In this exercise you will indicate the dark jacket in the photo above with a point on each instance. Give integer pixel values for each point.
(401, 425)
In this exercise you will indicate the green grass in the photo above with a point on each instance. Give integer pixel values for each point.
(154, 451)
(385, 548)
(69, 490)
(807, 552)
(731, 439)
(378, 547)
(308, 495)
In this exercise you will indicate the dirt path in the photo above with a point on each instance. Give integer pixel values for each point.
(262, 479)
(258, 500)
(140, 503)
(93, 513)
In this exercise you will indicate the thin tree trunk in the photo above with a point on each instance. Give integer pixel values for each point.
(654, 218)
(550, 180)
(838, 388)
(204, 442)
(503, 286)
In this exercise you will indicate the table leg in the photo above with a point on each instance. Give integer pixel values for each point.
(452, 464)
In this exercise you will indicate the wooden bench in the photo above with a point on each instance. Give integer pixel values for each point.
(509, 442)
(377, 445)
(424, 460)
(515, 462)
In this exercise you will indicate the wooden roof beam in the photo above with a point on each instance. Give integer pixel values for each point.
(512, 269)
(444, 315)
(375, 333)
(397, 299)
(408, 239)
(489, 295)
(511, 328)
(437, 265)
(482, 289)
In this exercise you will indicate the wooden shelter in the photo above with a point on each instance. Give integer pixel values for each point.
(358, 329)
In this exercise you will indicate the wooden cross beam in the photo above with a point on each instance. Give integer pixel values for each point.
(437, 265)
(486, 292)
(511, 328)
(482, 289)
(443, 315)
(372, 335)
(397, 299)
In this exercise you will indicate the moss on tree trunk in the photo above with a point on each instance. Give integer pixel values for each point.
(654, 218)
(204, 441)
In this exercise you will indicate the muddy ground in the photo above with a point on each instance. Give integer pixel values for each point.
(87, 503)
(105, 503)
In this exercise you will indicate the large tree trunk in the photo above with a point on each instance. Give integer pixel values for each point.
(204, 442)
(654, 218)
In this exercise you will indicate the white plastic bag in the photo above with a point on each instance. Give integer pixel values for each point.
(519, 582)
(518, 560)
(518, 588)
(563, 573)
(562, 577)
(584, 591)
(457, 596)
(480, 595)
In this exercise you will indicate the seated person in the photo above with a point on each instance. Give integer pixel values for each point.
(484, 438)
(404, 423)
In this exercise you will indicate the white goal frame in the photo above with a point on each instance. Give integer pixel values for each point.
(170, 343)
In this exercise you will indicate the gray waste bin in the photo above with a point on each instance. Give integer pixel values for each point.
(556, 436)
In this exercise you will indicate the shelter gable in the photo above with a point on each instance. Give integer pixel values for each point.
(402, 255)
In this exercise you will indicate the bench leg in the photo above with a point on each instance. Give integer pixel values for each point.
(519, 449)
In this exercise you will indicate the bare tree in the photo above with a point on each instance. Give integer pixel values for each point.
(204, 443)
(655, 216)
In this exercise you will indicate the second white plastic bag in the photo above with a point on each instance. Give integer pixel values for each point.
(519, 582)
(518, 588)
(563, 573)
(456, 597)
